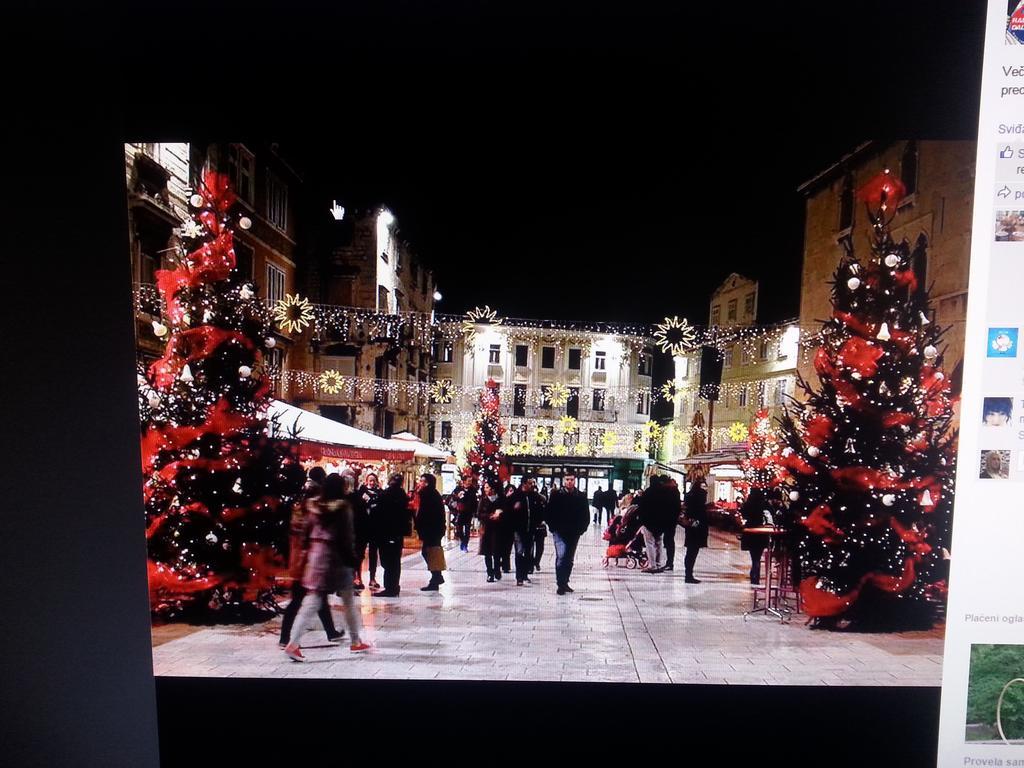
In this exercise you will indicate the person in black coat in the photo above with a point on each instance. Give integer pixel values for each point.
(506, 537)
(430, 524)
(609, 501)
(653, 513)
(753, 514)
(369, 494)
(568, 518)
(390, 522)
(674, 506)
(696, 528)
(489, 512)
(463, 504)
(524, 513)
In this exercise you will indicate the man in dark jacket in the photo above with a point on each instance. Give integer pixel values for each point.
(697, 527)
(654, 509)
(568, 518)
(463, 504)
(391, 524)
(675, 506)
(526, 513)
(596, 502)
(430, 526)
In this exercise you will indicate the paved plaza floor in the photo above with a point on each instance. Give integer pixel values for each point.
(619, 626)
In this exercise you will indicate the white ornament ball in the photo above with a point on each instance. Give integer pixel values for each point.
(246, 292)
(245, 222)
(892, 260)
(159, 329)
(853, 283)
(196, 200)
(794, 495)
(939, 376)
(245, 371)
(813, 451)
(211, 538)
(270, 342)
(154, 400)
(889, 499)
(930, 351)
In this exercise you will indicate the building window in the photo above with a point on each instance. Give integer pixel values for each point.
(522, 354)
(598, 400)
(780, 392)
(683, 367)
(519, 400)
(643, 403)
(241, 169)
(745, 356)
(760, 394)
(383, 301)
(743, 398)
(731, 314)
(572, 405)
(727, 358)
(519, 434)
(646, 363)
(494, 354)
(716, 314)
(908, 167)
(846, 204)
(243, 260)
(600, 361)
(781, 353)
(575, 359)
(545, 435)
(148, 266)
(596, 439)
(431, 432)
(400, 302)
(277, 202)
(547, 357)
(446, 430)
(763, 351)
(275, 283)
(748, 305)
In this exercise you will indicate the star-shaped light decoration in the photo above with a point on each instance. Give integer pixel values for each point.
(330, 382)
(568, 424)
(441, 391)
(738, 432)
(561, 450)
(557, 394)
(542, 435)
(672, 390)
(675, 336)
(191, 229)
(608, 442)
(475, 316)
(293, 313)
(581, 449)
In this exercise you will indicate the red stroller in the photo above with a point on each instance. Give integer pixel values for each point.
(625, 542)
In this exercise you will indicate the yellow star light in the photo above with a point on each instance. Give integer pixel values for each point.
(738, 432)
(475, 316)
(609, 441)
(675, 336)
(672, 390)
(568, 424)
(441, 391)
(293, 313)
(330, 382)
(557, 394)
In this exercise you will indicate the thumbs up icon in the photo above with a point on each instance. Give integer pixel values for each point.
(1006, 152)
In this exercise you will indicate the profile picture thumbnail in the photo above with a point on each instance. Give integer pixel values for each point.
(995, 465)
(1015, 23)
(1002, 342)
(997, 411)
(1009, 226)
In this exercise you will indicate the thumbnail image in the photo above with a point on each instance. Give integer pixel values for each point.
(997, 411)
(1009, 226)
(995, 695)
(995, 465)
(1015, 23)
(1002, 342)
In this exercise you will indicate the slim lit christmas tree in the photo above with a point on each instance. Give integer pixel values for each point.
(218, 482)
(871, 453)
(762, 468)
(484, 458)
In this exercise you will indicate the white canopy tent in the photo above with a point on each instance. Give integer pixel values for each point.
(338, 440)
(407, 440)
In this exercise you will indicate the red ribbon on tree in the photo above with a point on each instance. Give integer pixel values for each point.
(191, 345)
(820, 602)
(865, 478)
(897, 419)
(216, 191)
(818, 430)
(883, 189)
(853, 323)
(820, 523)
(860, 355)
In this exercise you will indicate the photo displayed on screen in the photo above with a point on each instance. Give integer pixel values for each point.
(349, 476)
(995, 695)
(995, 465)
(997, 412)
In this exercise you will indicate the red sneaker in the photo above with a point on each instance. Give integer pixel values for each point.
(293, 653)
(357, 647)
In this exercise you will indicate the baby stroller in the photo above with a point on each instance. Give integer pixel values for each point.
(625, 544)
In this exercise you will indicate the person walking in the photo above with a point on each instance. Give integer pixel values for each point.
(463, 505)
(524, 514)
(568, 518)
(330, 536)
(391, 522)
(652, 513)
(297, 561)
(597, 502)
(753, 514)
(369, 494)
(696, 527)
(489, 512)
(609, 501)
(506, 537)
(430, 529)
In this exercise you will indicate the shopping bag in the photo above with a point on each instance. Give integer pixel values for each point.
(435, 559)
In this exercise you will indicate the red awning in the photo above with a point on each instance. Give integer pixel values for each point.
(312, 450)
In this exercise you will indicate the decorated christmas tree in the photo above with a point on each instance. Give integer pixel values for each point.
(870, 455)
(761, 467)
(484, 457)
(219, 479)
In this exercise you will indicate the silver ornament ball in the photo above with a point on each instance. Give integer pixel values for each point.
(245, 222)
(892, 260)
(244, 371)
(196, 200)
(853, 283)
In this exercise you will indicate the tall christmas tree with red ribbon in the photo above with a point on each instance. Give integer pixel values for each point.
(218, 482)
(485, 459)
(871, 452)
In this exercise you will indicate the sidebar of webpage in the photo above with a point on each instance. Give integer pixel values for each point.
(982, 714)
